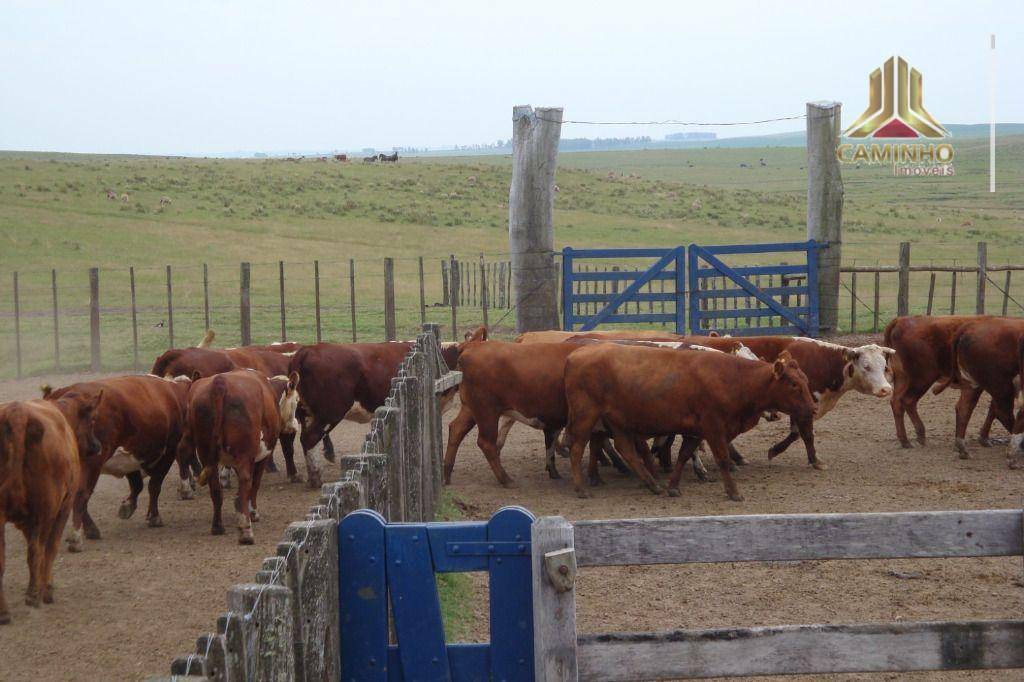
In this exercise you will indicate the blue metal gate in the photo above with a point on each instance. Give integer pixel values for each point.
(580, 289)
(742, 304)
(739, 299)
(382, 564)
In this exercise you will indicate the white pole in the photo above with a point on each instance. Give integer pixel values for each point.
(992, 120)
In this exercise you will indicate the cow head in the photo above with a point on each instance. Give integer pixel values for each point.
(83, 423)
(866, 369)
(288, 404)
(789, 392)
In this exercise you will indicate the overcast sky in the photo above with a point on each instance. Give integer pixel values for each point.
(215, 77)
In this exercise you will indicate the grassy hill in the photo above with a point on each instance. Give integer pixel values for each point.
(54, 214)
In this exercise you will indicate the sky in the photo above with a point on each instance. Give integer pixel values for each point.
(218, 77)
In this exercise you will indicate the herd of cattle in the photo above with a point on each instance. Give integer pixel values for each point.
(211, 411)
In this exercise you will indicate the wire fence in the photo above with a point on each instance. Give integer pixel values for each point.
(122, 318)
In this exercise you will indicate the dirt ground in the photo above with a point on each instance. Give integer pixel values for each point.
(140, 596)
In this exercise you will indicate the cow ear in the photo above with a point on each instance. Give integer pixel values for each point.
(785, 356)
(46, 390)
(850, 354)
(889, 352)
(778, 367)
(713, 333)
(293, 381)
(196, 375)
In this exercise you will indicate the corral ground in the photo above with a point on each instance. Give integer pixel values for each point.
(140, 596)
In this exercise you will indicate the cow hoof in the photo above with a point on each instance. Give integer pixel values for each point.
(736, 498)
(582, 494)
(48, 595)
(963, 454)
(554, 475)
(126, 510)
(217, 530)
(155, 521)
(656, 489)
(921, 440)
(329, 456)
(596, 480)
(820, 466)
(92, 533)
(271, 466)
(984, 442)
(906, 445)
(294, 478)
(5, 618)
(1016, 463)
(185, 491)
(33, 600)
(254, 515)
(246, 538)
(314, 480)
(674, 492)
(773, 453)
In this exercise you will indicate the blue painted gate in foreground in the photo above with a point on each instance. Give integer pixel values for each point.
(396, 564)
(739, 299)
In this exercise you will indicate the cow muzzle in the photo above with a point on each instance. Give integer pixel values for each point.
(883, 392)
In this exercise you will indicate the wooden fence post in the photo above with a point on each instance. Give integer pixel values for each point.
(483, 289)
(423, 295)
(982, 276)
(316, 297)
(931, 292)
(94, 320)
(535, 135)
(389, 299)
(280, 276)
(206, 297)
(853, 302)
(1006, 292)
(903, 294)
(316, 596)
(952, 295)
(554, 606)
(135, 320)
(267, 630)
(825, 205)
(454, 296)
(245, 305)
(56, 316)
(170, 311)
(445, 288)
(17, 326)
(352, 294)
(878, 277)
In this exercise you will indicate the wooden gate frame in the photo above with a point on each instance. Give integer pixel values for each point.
(798, 325)
(666, 258)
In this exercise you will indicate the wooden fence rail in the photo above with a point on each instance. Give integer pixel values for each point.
(285, 625)
(559, 547)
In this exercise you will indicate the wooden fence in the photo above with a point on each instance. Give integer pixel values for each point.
(560, 547)
(284, 626)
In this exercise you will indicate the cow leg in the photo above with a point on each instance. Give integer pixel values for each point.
(562, 444)
(985, 435)
(626, 445)
(5, 614)
(964, 408)
(597, 442)
(608, 455)
(457, 430)
(663, 450)
(806, 432)
(186, 482)
(549, 452)
(699, 470)
(720, 449)
(34, 542)
(217, 499)
(314, 476)
(80, 511)
(329, 448)
(780, 447)
(505, 425)
(52, 547)
(735, 457)
(156, 482)
(131, 503)
(487, 433)
(687, 450)
(904, 400)
(287, 441)
(244, 518)
(645, 454)
(257, 478)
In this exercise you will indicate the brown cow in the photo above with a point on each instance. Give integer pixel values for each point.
(987, 358)
(345, 381)
(234, 420)
(643, 392)
(138, 424)
(514, 382)
(923, 357)
(41, 444)
(1015, 453)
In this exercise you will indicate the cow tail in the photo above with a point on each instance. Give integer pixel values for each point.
(890, 331)
(954, 378)
(1020, 360)
(218, 391)
(13, 432)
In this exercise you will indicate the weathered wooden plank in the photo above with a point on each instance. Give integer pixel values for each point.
(903, 292)
(448, 380)
(229, 626)
(554, 611)
(316, 592)
(95, 363)
(979, 306)
(266, 630)
(371, 470)
(802, 650)
(799, 537)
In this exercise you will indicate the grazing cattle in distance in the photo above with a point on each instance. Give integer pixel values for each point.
(234, 420)
(111, 195)
(124, 197)
(987, 356)
(41, 446)
(640, 392)
(165, 201)
(341, 157)
(388, 158)
(346, 382)
(138, 424)
(369, 159)
(924, 357)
